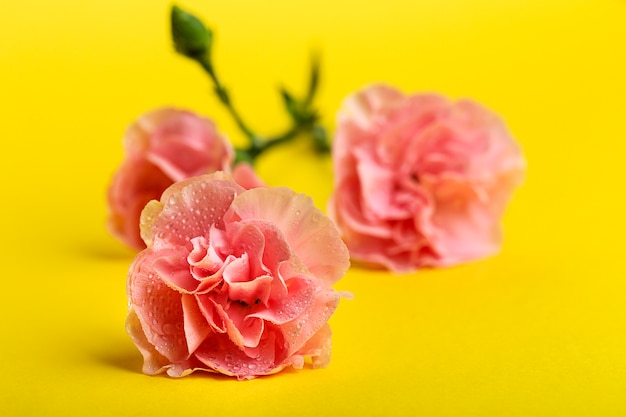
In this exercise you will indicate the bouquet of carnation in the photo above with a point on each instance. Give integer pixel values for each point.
(235, 276)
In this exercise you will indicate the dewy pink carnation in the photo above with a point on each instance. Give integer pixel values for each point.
(420, 181)
(163, 147)
(233, 281)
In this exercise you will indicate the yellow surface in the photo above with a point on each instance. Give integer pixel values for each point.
(539, 330)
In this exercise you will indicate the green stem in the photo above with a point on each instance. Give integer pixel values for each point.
(194, 40)
(258, 144)
(223, 96)
(285, 137)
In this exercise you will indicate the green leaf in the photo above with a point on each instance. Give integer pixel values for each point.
(292, 106)
(313, 80)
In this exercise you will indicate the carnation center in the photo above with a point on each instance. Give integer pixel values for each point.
(228, 274)
(230, 280)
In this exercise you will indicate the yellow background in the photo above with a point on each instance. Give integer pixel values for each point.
(539, 330)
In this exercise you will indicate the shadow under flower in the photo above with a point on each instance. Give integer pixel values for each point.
(101, 249)
(127, 360)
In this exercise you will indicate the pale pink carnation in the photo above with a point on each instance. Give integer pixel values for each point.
(420, 181)
(233, 281)
(162, 147)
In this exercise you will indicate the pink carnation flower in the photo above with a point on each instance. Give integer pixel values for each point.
(420, 181)
(162, 147)
(233, 281)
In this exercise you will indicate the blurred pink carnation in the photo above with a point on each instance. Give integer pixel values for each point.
(163, 147)
(420, 181)
(233, 281)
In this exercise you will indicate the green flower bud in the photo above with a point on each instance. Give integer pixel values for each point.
(191, 37)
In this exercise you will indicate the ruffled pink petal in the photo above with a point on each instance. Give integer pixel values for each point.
(153, 361)
(137, 136)
(464, 227)
(263, 241)
(193, 164)
(248, 240)
(197, 327)
(318, 347)
(365, 107)
(238, 270)
(345, 208)
(158, 308)
(184, 145)
(207, 260)
(250, 327)
(172, 267)
(377, 186)
(213, 313)
(210, 282)
(406, 123)
(310, 235)
(300, 292)
(167, 123)
(189, 209)
(219, 353)
(133, 186)
(216, 313)
(204, 256)
(245, 176)
(316, 314)
(255, 291)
